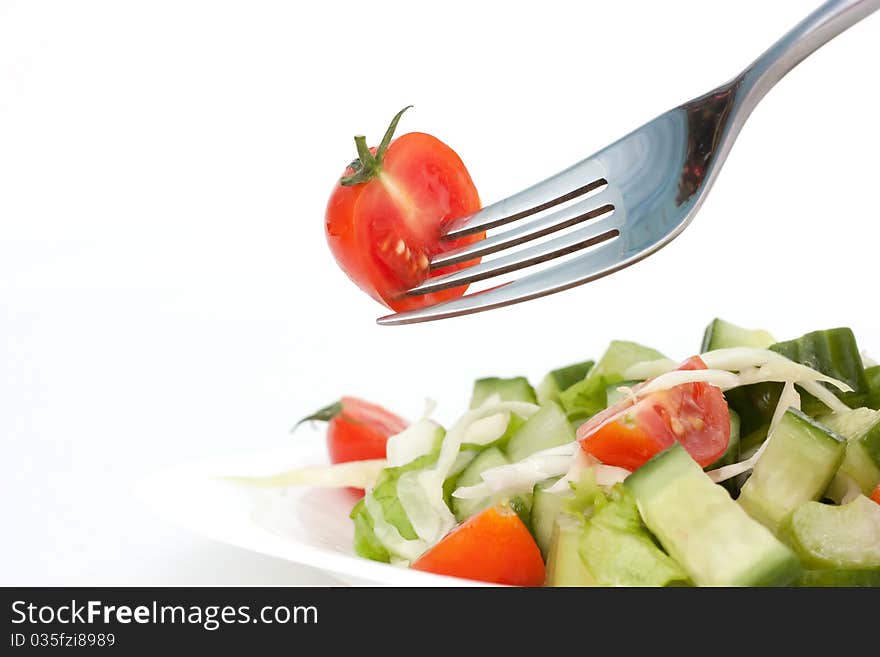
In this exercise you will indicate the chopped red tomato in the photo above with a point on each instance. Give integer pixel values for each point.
(493, 546)
(628, 434)
(357, 430)
(387, 215)
(875, 495)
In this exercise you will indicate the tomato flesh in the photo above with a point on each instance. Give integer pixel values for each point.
(384, 233)
(493, 546)
(875, 495)
(629, 433)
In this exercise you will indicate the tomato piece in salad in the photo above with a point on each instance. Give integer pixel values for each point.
(357, 430)
(493, 546)
(387, 215)
(631, 432)
(875, 494)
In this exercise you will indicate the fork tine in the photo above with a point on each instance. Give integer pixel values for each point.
(590, 208)
(562, 187)
(596, 231)
(603, 260)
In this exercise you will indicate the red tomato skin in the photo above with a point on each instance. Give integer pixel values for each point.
(628, 435)
(493, 546)
(422, 188)
(360, 432)
(875, 494)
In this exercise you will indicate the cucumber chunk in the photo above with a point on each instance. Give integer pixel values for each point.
(560, 379)
(839, 577)
(517, 388)
(872, 376)
(703, 529)
(831, 536)
(470, 476)
(587, 397)
(833, 352)
(861, 428)
(564, 564)
(546, 507)
(619, 551)
(796, 467)
(545, 429)
(723, 335)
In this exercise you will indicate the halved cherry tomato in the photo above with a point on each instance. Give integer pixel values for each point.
(387, 215)
(493, 546)
(628, 434)
(357, 430)
(875, 495)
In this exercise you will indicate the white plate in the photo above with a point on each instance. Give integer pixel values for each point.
(306, 525)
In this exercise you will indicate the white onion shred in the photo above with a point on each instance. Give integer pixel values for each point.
(719, 378)
(867, 361)
(606, 475)
(521, 477)
(359, 474)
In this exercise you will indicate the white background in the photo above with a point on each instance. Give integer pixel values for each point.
(165, 288)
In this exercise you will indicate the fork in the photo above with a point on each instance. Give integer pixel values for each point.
(626, 201)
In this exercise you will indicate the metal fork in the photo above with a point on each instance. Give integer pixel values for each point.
(651, 182)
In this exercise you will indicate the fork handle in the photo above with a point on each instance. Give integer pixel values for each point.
(817, 29)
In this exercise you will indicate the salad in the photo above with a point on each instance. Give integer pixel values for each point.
(754, 463)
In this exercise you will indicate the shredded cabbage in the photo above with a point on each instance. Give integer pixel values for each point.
(421, 493)
(358, 474)
(404, 550)
(486, 430)
(416, 440)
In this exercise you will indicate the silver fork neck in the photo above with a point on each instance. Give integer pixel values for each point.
(817, 29)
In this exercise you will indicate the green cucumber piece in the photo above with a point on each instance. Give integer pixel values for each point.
(546, 507)
(521, 505)
(872, 376)
(723, 335)
(830, 536)
(470, 476)
(517, 388)
(703, 529)
(861, 428)
(619, 551)
(833, 352)
(559, 379)
(547, 428)
(564, 564)
(796, 467)
(587, 397)
(839, 577)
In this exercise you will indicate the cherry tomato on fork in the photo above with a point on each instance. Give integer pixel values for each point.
(387, 214)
